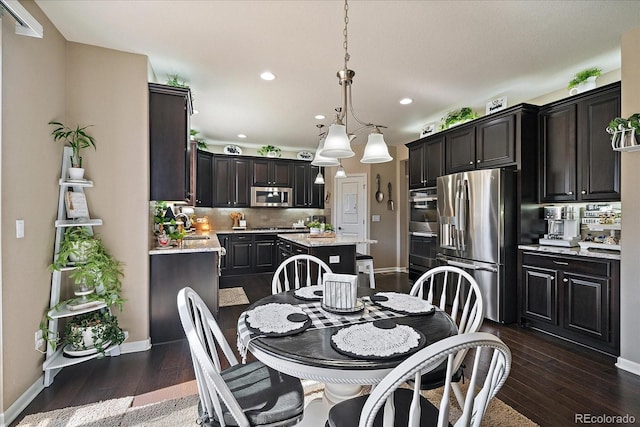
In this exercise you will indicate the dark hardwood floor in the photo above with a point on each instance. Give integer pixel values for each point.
(550, 381)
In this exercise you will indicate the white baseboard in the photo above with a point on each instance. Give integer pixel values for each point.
(390, 270)
(22, 402)
(136, 346)
(27, 397)
(628, 365)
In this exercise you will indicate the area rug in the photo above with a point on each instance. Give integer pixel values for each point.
(232, 296)
(183, 412)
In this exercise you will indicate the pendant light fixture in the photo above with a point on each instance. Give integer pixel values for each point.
(319, 159)
(337, 143)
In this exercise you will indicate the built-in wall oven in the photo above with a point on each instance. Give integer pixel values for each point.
(423, 231)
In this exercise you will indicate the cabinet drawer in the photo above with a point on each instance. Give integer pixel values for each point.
(594, 267)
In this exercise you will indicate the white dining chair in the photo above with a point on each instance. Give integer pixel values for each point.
(390, 405)
(242, 395)
(465, 306)
(297, 271)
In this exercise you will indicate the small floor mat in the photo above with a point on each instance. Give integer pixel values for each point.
(232, 296)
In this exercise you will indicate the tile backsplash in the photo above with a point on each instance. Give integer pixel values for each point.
(258, 217)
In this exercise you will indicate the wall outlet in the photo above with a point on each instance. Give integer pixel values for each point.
(39, 340)
(334, 259)
(375, 218)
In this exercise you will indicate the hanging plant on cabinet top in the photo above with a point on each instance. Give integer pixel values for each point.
(457, 117)
(77, 139)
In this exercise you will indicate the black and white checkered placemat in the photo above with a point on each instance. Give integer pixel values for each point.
(321, 319)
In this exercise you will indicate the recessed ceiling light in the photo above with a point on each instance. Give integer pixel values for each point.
(242, 135)
(320, 117)
(405, 101)
(267, 75)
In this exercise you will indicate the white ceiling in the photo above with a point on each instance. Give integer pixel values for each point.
(443, 54)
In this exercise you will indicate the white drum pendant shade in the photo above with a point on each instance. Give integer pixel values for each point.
(320, 160)
(336, 145)
(376, 150)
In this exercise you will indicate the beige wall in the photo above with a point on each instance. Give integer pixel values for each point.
(33, 82)
(630, 269)
(45, 79)
(108, 89)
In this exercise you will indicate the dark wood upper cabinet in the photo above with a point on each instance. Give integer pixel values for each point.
(306, 194)
(599, 172)
(169, 112)
(495, 142)
(460, 150)
(231, 185)
(426, 162)
(271, 173)
(558, 153)
(576, 159)
(204, 179)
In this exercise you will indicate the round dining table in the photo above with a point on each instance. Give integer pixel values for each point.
(310, 355)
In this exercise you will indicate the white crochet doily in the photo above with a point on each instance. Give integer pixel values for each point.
(403, 303)
(367, 341)
(271, 319)
(309, 293)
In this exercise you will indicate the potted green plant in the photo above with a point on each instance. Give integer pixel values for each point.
(176, 81)
(97, 274)
(457, 117)
(77, 139)
(96, 330)
(624, 132)
(584, 80)
(270, 151)
(200, 143)
(314, 227)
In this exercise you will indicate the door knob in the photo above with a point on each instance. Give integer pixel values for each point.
(584, 192)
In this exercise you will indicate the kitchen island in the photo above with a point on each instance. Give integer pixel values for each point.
(339, 252)
(194, 263)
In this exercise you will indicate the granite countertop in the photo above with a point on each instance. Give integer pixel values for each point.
(276, 230)
(591, 253)
(303, 239)
(212, 244)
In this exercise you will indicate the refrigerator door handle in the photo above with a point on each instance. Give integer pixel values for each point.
(462, 214)
(468, 266)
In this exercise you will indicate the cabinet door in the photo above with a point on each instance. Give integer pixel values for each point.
(416, 166)
(434, 161)
(558, 154)
(460, 151)
(223, 194)
(265, 252)
(599, 164)
(540, 294)
(496, 142)
(204, 179)
(242, 189)
(587, 305)
(240, 260)
(260, 174)
(300, 186)
(316, 191)
(280, 173)
(168, 143)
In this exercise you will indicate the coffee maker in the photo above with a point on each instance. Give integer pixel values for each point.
(563, 227)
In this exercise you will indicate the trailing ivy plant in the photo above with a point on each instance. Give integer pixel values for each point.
(200, 142)
(95, 267)
(102, 326)
(175, 81)
(270, 149)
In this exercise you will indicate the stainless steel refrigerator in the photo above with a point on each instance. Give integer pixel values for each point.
(477, 215)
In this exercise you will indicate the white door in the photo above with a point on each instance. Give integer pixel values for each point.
(351, 208)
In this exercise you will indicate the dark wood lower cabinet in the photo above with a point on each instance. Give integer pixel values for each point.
(169, 274)
(248, 253)
(576, 298)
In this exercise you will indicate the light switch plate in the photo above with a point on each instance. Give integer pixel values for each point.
(375, 218)
(19, 228)
(334, 259)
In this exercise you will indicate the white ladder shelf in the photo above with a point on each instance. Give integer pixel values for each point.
(55, 359)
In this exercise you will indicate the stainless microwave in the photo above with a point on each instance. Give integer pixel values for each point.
(271, 197)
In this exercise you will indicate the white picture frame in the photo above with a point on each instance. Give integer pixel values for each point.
(497, 104)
